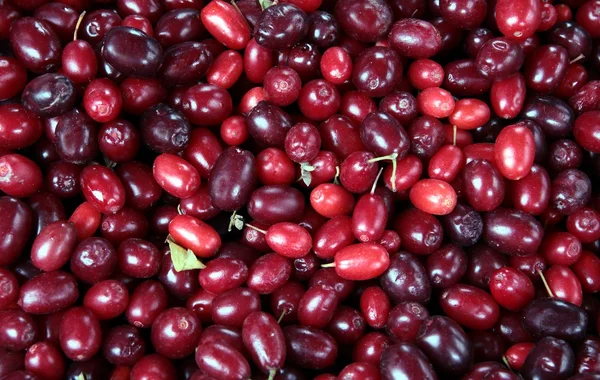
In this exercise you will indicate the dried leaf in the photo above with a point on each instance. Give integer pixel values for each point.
(183, 259)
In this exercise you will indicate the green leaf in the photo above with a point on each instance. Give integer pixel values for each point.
(81, 376)
(264, 4)
(183, 259)
(236, 221)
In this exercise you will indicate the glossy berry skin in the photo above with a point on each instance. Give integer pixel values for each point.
(517, 354)
(375, 306)
(19, 176)
(470, 306)
(383, 135)
(532, 192)
(336, 65)
(358, 171)
(19, 330)
(490, 194)
(119, 141)
(44, 359)
(102, 100)
(226, 69)
(9, 283)
(570, 191)
(421, 233)
(19, 128)
(76, 137)
(123, 345)
(49, 95)
(415, 38)
(319, 99)
(302, 142)
(226, 24)
(232, 179)
(503, 227)
(404, 360)
(146, 302)
(377, 71)
(584, 224)
(102, 189)
(446, 266)
(335, 234)
(586, 132)
(507, 96)
(446, 163)
(515, 152)
(48, 292)
(13, 76)
(437, 332)
(269, 273)
(175, 175)
(80, 334)
(93, 260)
(359, 370)
(433, 196)
(222, 274)
(317, 306)
(153, 366)
(561, 248)
(289, 240)
(232, 307)
(132, 52)
(303, 345)
(586, 270)
(436, 102)
(361, 261)
(408, 172)
(331, 200)
(221, 360)
(369, 218)
(175, 332)
(280, 26)
(35, 44)
(550, 357)
(511, 288)
(499, 58)
(404, 321)
(553, 317)
(194, 234)
(172, 73)
(406, 279)
(264, 339)
(79, 61)
(52, 248)
(366, 21)
(107, 299)
(564, 284)
(518, 20)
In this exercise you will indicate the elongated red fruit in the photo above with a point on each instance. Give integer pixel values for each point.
(361, 262)
(194, 234)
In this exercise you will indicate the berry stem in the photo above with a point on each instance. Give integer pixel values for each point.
(546, 284)
(255, 228)
(79, 20)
